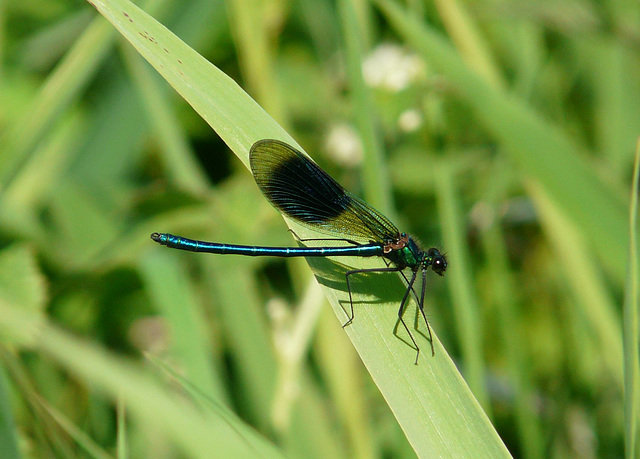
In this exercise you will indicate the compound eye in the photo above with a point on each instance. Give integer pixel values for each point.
(439, 265)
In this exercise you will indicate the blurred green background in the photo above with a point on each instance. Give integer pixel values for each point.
(521, 173)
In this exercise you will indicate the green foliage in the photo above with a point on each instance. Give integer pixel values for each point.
(504, 135)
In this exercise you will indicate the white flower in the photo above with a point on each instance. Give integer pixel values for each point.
(344, 145)
(391, 67)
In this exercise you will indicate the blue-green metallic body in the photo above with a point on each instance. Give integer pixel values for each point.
(178, 242)
(409, 256)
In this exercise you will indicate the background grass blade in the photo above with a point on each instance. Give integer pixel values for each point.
(631, 305)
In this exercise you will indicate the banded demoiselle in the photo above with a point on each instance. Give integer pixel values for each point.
(299, 189)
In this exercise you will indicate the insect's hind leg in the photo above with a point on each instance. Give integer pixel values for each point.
(363, 271)
(401, 310)
(415, 295)
(421, 305)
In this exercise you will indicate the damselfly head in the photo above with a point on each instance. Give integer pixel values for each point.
(436, 260)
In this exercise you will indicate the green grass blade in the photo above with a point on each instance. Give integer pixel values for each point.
(8, 432)
(464, 31)
(176, 153)
(253, 25)
(121, 434)
(504, 296)
(593, 301)
(460, 281)
(173, 296)
(631, 305)
(376, 177)
(73, 431)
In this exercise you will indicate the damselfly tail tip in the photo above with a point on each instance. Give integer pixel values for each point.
(157, 237)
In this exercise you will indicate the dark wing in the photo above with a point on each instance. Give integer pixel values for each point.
(298, 188)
